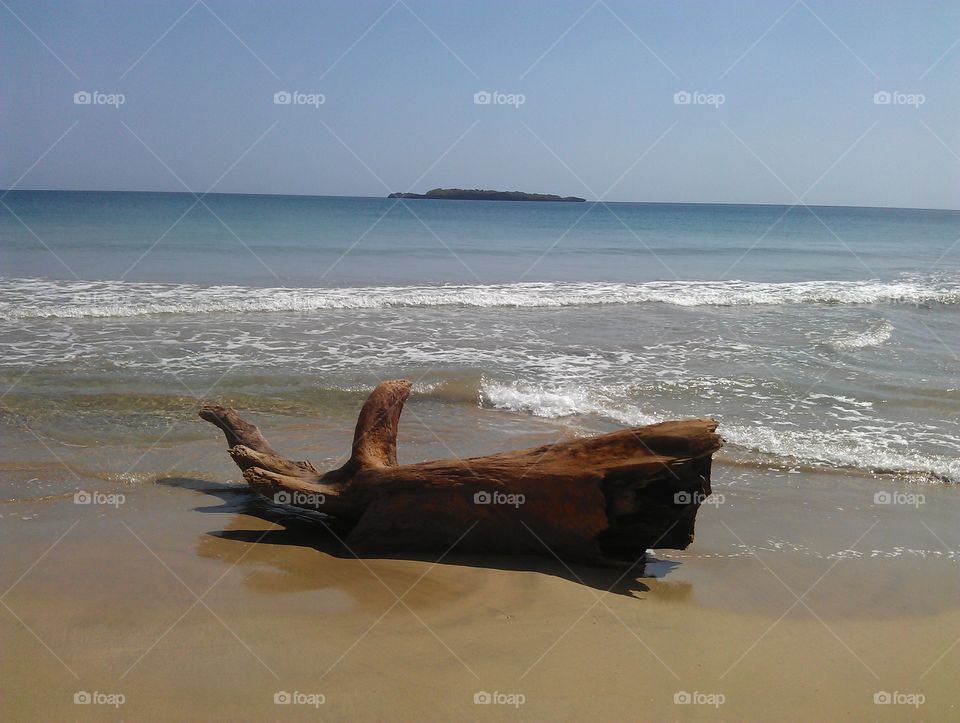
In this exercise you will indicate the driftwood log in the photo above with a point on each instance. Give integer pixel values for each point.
(601, 500)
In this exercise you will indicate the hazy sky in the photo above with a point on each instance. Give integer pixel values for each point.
(786, 107)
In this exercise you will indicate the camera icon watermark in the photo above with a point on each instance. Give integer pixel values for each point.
(896, 697)
(282, 697)
(300, 499)
(295, 97)
(83, 697)
(684, 697)
(909, 499)
(483, 697)
(485, 97)
(84, 97)
(895, 97)
(696, 97)
(698, 498)
(498, 498)
(82, 497)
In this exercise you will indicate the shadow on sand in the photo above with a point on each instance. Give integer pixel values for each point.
(302, 528)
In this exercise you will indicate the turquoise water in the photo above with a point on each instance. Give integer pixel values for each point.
(822, 337)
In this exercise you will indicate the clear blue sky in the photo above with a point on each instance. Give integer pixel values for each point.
(599, 117)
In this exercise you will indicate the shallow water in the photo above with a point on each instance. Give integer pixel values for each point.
(819, 338)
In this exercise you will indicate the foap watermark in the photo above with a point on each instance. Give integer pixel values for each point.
(85, 97)
(696, 97)
(696, 697)
(910, 499)
(282, 697)
(483, 697)
(295, 97)
(895, 97)
(82, 497)
(83, 697)
(300, 499)
(698, 498)
(485, 97)
(498, 498)
(896, 697)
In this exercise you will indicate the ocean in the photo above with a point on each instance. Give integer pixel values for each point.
(822, 338)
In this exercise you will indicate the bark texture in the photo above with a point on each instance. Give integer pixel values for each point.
(600, 500)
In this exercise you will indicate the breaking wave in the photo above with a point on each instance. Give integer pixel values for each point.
(861, 450)
(42, 298)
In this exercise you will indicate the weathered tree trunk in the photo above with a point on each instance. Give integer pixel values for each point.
(598, 500)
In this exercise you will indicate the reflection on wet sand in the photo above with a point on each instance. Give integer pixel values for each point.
(256, 521)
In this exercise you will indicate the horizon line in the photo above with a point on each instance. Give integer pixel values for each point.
(7, 191)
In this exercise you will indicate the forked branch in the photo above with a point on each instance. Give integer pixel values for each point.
(601, 500)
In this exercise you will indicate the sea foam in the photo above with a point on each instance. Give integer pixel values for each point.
(849, 448)
(43, 298)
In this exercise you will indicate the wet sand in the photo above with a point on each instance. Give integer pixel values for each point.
(112, 608)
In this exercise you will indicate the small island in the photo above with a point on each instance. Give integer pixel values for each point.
(476, 194)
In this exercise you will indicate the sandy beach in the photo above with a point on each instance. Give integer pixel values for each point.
(801, 599)
(672, 287)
